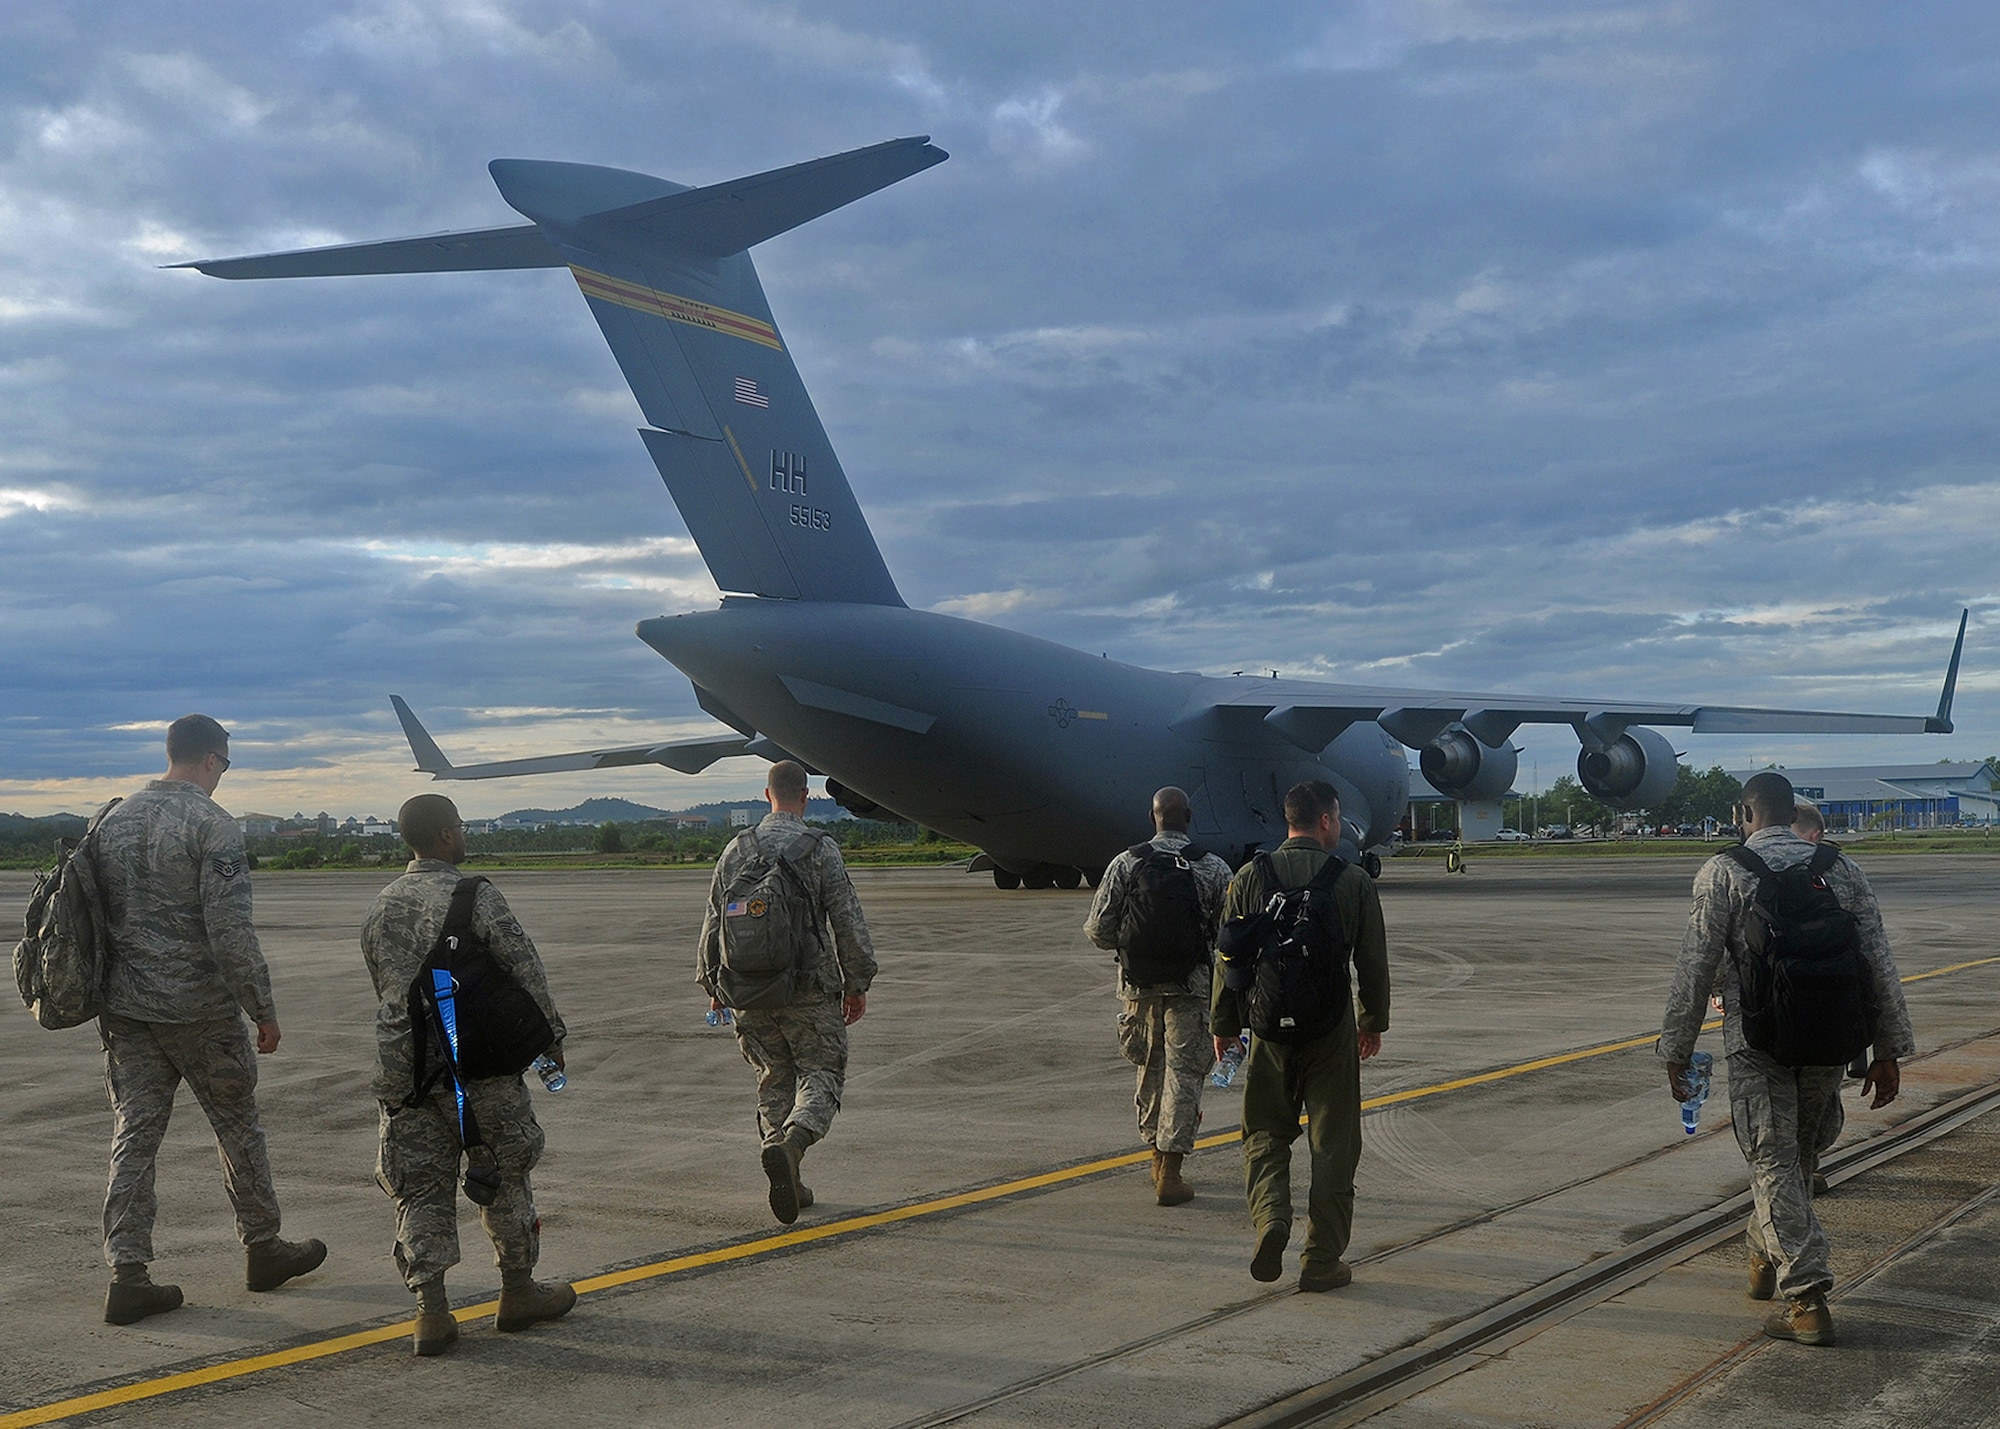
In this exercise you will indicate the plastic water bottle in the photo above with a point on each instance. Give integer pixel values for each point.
(718, 1017)
(1701, 1076)
(553, 1077)
(1231, 1061)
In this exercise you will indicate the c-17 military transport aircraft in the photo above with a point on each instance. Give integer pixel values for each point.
(1041, 756)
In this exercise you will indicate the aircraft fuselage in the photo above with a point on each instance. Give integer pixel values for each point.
(982, 733)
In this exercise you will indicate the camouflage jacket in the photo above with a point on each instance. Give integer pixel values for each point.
(176, 886)
(1107, 915)
(398, 934)
(844, 964)
(1296, 860)
(1723, 891)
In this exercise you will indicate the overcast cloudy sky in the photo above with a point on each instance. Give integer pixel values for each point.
(1642, 351)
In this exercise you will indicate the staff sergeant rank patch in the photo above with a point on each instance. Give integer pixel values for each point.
(225, 867)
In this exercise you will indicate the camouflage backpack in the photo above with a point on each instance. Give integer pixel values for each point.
(770, 925)
(60, 962)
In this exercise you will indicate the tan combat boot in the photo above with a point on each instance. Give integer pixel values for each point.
(1804, 1318)
(270, 1263)
(133, 1297)
(1763, 1277)
(1173, 1190)
(781, 1167)
(436, 1331)
(538, 1300)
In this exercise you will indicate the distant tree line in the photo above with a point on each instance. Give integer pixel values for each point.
(1694, 797)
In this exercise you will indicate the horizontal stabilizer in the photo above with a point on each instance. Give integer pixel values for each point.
(472, 250)
(689, 756)
(726, 218)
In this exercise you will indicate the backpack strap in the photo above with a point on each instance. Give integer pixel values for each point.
(1329, 873)
(457, 923)
(458, 917)
(1143, 851)
(1824, 857)
(1741, 856)
(98, 817)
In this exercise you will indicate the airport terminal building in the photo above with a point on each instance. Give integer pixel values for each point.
(1898, 796)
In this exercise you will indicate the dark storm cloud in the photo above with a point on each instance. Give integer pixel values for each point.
(1635, 351)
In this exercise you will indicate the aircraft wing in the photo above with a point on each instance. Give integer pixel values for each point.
(689, 756)
(1312, 715)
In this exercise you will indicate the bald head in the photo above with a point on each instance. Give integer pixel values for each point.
(1172, 812)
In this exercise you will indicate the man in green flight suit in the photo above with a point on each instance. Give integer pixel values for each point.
(1320, 1077)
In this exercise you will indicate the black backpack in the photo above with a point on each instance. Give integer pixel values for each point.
(1807, 994)
(1163, 932)
(1291, 957)
(467, 1009)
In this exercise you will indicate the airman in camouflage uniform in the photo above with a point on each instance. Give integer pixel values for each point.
(1163, 1029)
(799, 1051)
(1783, 1116)
(184, 969)
(419, 1155)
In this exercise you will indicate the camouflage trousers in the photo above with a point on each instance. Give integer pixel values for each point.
(418, 1161)
(144, 1065)
(799, 1053)
(1782, 1116)
(1323, 1080)
(1167, 1039)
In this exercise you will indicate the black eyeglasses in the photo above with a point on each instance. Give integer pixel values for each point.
(225, 762)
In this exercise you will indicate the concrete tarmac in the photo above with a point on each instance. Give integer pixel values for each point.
(986, 1061)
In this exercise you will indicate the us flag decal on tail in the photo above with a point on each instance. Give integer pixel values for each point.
(750, 394)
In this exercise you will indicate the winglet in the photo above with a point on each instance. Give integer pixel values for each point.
(1941, 722)
(430, 759)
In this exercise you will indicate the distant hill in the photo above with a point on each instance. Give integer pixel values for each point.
(55, 825)
(624, 811)
(590, 811)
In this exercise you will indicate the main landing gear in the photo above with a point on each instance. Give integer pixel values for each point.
(1045, 875)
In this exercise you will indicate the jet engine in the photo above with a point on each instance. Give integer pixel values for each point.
(1460, 767)
(1635, 771)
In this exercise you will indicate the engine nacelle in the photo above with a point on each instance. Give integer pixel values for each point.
(1460, 767)
(1635, 771)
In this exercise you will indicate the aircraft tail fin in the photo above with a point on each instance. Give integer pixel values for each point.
(730, 426)
(665, 272)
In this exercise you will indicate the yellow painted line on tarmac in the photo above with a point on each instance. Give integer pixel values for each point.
(787, 1240)
(1954, 968)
